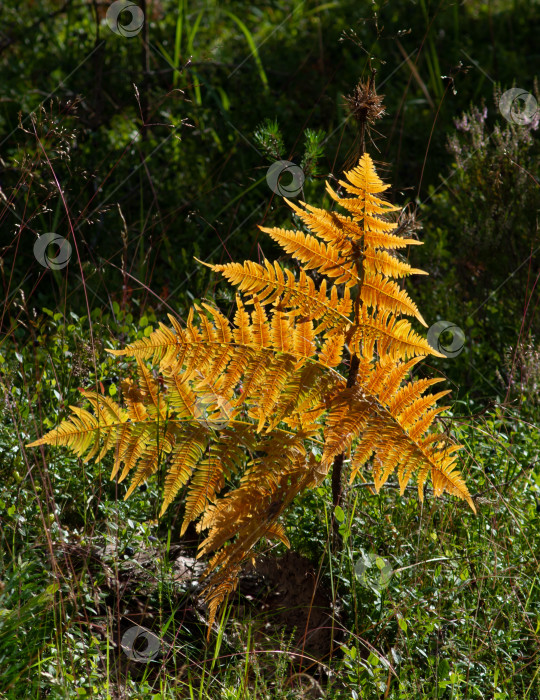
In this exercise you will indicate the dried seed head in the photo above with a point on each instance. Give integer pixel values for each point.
(365, 104)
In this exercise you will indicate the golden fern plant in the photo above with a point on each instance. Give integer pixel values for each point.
(259, 404)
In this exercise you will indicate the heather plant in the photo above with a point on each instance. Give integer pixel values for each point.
(483, 208)
(493, 191)
(521, 376)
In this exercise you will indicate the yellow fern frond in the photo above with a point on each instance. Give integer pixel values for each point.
(391, 429)
(328, 225)
(246, 408)
(260, 327)
(242, 332)
(78, 433)
(331, 353)
(315, 255)
(149, 462)
(277, 378)
(276, 531)
(184, 459)
(269, 285)
(281, 331)
(377, 238)
(388, 265)
(364, 180)
(384, 294)
(134, 399)
(395, 337)
(159, 346)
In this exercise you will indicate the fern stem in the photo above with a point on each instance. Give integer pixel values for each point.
(362, 116)
(337, 466)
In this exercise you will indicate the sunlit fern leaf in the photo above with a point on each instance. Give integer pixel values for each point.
(246, 408)
(276, 531)
(389, 265)
(395, 337)
(380, 293)
(185, 457)
(150, 392)
(316, 255)
(131, 443)
(363, 180)
(345, 231)
(328, 225)
(274, 285)
(331, 353)
(149, 462)
(222, 461)
(134, 399)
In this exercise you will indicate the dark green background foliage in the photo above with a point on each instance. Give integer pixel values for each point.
(144, 152)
